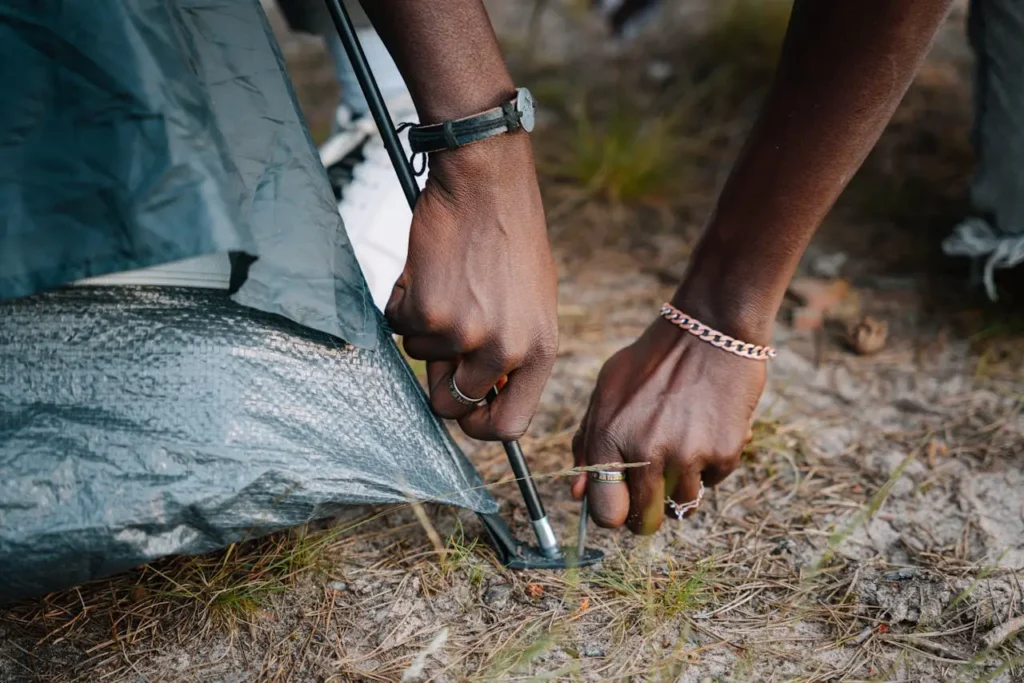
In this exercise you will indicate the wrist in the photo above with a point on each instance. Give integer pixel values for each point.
(737, 310)
(492, 163)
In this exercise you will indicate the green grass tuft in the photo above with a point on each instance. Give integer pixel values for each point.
(652, 596)
(627, 159)
(234, 584)
(745, 38)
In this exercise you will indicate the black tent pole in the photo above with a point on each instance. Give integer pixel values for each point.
(378, 109)
(343, 23)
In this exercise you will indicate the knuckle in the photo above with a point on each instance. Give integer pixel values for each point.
(728, 463)
(602, 443)
(467, 337)
(507, 354)
(500, 356)
(513, 360)
(434, 314)
(546, 350)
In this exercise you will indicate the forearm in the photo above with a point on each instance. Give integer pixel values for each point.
(845, 66)
(450, 60)
(447, 53)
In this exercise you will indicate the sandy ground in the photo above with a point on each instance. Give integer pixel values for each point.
(875, 531)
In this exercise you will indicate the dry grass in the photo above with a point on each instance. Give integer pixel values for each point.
(755, 578)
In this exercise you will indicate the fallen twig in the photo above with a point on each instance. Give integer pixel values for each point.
(1000, 633)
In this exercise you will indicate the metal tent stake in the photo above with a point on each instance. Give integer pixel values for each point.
(512, 553)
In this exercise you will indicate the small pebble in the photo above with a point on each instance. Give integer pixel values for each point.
(900, 574)
(659, 71)
(497, 596)
(337, 586)
(829, 266)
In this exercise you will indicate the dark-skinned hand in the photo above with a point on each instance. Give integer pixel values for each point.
(679, 403)
(478, 296)
(675, 402)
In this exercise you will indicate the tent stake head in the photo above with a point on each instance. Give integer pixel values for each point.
(517, 555)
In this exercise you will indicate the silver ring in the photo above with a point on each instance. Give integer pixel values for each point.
(461, 397)
(607, 476)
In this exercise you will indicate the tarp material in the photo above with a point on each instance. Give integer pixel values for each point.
(139, 422)
(139, 132)
(142, 422)
(994, 233)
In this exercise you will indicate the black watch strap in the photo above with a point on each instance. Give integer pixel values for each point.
(450, 135)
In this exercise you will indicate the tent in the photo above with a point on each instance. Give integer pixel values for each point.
(143, 421)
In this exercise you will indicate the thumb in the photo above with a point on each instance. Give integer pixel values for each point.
(393, 310)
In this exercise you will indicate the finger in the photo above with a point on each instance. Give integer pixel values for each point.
(448, 401)
(395, 310)
(480, 371)
(578, 485)
(685, 492)
(646, 494)
(409, 316)
(716, 470)
(445, 405)
(430, 347)
(508, 416)
(608, 501)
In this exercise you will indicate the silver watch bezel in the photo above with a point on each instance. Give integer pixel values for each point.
(527, 108)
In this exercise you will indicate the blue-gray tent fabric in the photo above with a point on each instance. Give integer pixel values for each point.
(142, 422)
(994, 232)
(140, 132)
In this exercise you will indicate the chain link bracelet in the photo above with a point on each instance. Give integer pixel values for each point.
(716, 338)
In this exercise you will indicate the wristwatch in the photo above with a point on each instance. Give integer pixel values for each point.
(516, 114)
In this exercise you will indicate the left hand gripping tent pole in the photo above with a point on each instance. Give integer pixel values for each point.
(511, 552)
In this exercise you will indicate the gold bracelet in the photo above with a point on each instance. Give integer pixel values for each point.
(716, 338)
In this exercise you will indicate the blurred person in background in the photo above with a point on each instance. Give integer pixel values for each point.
(311, 17)
(370, 199)
(993, 232)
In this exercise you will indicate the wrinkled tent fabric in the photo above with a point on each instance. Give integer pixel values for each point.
(142, 422)
(994, 233)
(139, 132)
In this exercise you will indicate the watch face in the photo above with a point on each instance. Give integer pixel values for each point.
(527, 108)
